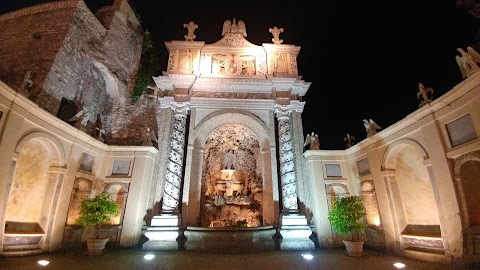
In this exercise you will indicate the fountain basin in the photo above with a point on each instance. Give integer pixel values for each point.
(230, 239)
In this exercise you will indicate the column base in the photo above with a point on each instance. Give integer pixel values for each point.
(163, 233)
(295, 233)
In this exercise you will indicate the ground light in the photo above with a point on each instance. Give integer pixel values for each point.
(149, 257)
(43, 262)
(307, 256)
(399, 265)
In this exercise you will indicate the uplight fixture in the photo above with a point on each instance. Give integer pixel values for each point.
(307, 256)
(149, 257)
(399, 265)
(43, 262)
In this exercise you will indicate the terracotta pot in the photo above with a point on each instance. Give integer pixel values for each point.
(96, 245)
(354, 248)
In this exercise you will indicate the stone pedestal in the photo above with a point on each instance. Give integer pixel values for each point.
(163, 233)
(295, 233)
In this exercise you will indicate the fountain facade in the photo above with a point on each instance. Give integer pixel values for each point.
(231, 181)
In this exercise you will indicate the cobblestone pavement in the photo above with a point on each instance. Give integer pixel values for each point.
(114, 258)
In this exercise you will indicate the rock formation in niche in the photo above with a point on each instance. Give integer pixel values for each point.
(231, 180)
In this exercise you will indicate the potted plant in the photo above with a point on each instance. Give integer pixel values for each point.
(93, 212)
(345, 218)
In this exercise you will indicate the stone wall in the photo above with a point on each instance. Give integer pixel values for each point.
(81, 65)
(30, 39)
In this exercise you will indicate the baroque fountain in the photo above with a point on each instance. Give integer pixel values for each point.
(232, 195)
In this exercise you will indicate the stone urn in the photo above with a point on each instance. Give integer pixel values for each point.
(96, 245)
(354, 248)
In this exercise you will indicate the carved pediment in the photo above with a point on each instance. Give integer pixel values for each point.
(233, 40)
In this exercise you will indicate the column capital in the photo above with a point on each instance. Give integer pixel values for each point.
(286, 110)
(179, 108)
(282, 111)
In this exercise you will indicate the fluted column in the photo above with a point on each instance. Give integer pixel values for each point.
(173, 178)
(286, 159)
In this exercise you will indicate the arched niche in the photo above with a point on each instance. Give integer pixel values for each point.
(222, 117)
(467, 175)
(335, 190)
(54, 147)
(244, 123)
(82, 189)
(119, 193)
(34, 187)
(411, 186)
(394, 148)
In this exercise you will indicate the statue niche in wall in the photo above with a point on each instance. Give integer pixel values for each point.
(232, 191)
(230, 182)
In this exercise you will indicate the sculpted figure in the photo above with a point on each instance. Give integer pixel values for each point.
(187, 60)
(349, 140)
(241, 28)
(312, 139)
(423, 94)
(467, 61)
(234, 27)
(27, 83)
(229, 160)
(191, 26)
(276, 33)
(371, 127)
(149, 137)
(226, 27)
(280, 63)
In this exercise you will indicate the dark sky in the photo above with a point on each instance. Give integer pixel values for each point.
(363, 58)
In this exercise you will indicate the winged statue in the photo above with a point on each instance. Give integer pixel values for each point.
(371, 127)
(312, 140)
(467, 61)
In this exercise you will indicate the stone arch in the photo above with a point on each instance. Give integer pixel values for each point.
(411, 184)
(32, 176)
(394, 148)
(466, 173)
(223, 117)
(119, 193)
(370, 202)
(264, 162)
(82, 189)
(335, 190)
(55, 148)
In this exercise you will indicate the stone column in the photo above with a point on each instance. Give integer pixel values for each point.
(294, 231)
(287, 160)
(173, 178)
(164, 231)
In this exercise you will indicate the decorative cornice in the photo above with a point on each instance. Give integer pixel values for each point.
(225, 103)
(178, 44)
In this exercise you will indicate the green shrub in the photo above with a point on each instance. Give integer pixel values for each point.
(346, 214)
(96, 210)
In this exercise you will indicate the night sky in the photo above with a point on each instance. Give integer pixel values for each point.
(364, 59)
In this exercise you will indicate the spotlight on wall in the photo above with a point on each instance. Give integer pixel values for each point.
(307, 256)
(43, 262)
(149, 257)
(399, 265)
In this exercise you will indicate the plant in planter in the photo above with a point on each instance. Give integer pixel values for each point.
(345, 218)
(93, 212)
